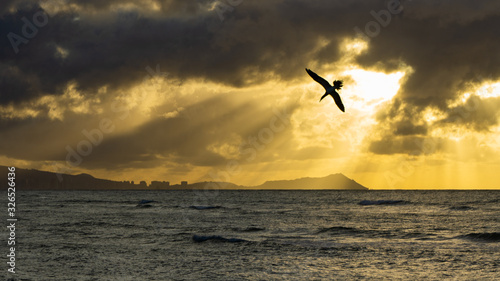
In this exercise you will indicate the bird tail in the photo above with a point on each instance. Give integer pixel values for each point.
(337, 84)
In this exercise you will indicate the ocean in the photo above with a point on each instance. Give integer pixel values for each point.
(256, 235)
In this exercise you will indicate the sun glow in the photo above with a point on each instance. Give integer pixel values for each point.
(431, 115)
(372, 88)
(485, 90)
(489, 90)
(354, 46)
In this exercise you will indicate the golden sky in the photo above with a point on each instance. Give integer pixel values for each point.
(216, 90)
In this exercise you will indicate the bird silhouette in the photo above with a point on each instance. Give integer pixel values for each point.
(330, 90)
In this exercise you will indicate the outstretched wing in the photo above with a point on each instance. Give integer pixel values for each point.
(318, 79)
(338, 101)
(326, 94)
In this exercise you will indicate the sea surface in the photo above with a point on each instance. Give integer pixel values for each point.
(256, 235)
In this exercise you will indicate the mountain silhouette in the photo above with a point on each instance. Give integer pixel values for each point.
(334, 181)
(41, 180)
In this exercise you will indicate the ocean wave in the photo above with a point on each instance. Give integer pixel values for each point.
(145, 203)
(82, 201)
(144, 206)
(282, 242)
(95, 201)
(371, 233)
(420, 235)
(351, 231)
(461, 208)
(493, 201)
(485, 236)
(205, 207)
(338, 230)
(217, 238)
(380, 202)
(249, 229)
(312, 244)
(91, 224)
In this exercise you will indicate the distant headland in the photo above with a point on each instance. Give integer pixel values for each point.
(28, 179)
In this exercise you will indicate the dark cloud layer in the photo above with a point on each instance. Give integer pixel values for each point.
(444, 57)
(448, 44)
(256, 41)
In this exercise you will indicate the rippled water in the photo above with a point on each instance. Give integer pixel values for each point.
(257, 235)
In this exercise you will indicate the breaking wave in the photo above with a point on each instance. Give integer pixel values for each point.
(485, 236)
(380, 202)
(205, 207)
(217, 238)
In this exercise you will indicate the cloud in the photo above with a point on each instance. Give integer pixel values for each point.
(113, 46)
(446, 47)
(39, 138)
(449, 48)
(186, 138)
(190, 136)
(476, 113)
(411, 145)
(408, 128)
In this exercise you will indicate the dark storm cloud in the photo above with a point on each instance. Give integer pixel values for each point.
(5, 5)
(450, 45)
(256, 42)
(447, 43)
(168, 7)
(445, 57)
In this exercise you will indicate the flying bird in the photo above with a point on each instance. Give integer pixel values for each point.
(330, 90)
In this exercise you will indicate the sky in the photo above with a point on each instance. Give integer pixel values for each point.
(210, 90)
